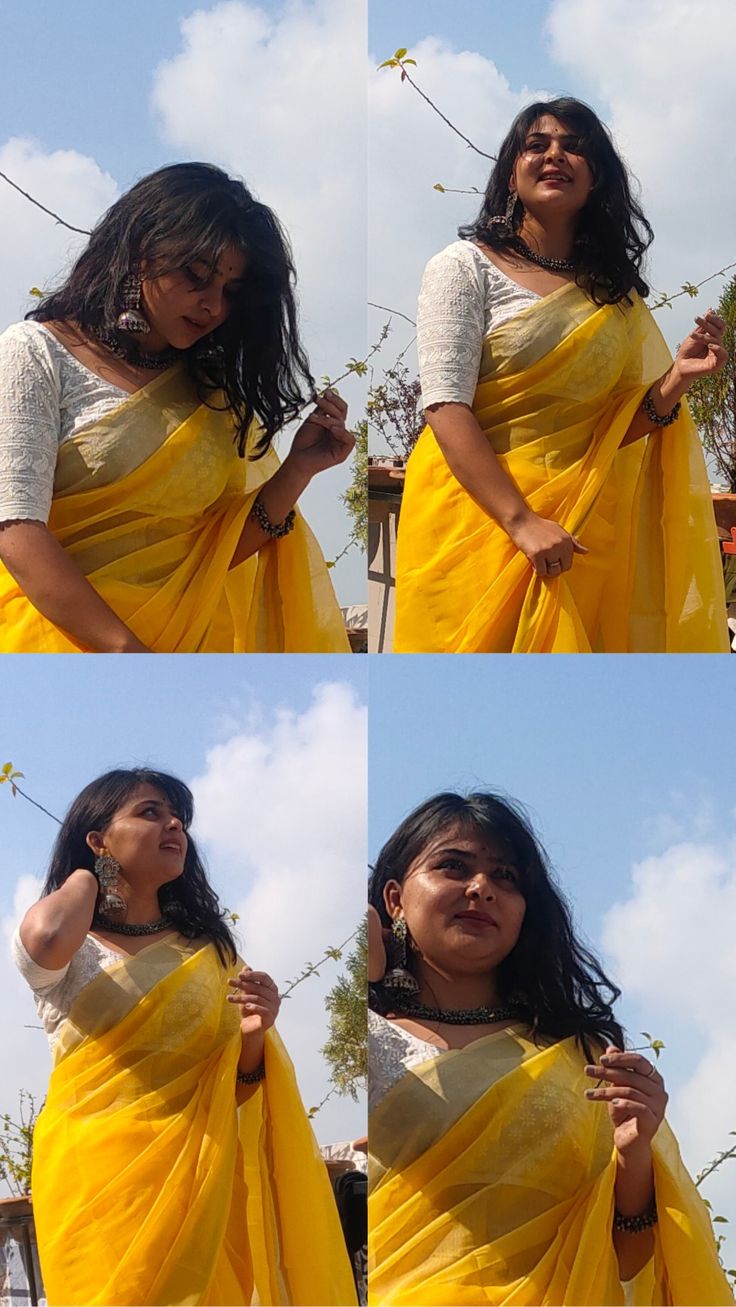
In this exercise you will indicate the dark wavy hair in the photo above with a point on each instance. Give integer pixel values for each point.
(189, 901)
(188, 213)
(561, 984)
(613, 234)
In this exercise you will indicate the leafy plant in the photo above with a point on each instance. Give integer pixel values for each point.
(16, 1145)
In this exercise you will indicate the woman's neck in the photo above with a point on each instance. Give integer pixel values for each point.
(553, 240)
(143, 907)
(437, 989)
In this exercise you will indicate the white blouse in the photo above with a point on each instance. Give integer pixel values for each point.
(462, 297)
(391, 1051)
(46, 396)
(55, 991)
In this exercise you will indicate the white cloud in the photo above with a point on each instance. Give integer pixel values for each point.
(34, 250)
(670, 944)
(281, 810)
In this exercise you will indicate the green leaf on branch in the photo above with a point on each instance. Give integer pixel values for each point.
(402, 50)
(388, 63)
(720, 1220)
(439, 187)
(36, 293)
(690, 290)
(358, 366)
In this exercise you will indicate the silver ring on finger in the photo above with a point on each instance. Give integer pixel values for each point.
(651, 1073)
(553, 562)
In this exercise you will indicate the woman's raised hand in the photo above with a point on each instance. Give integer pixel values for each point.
(702, 352)
(635, 1095)
(323, 440)
(258, 999)
(548, 546)
(376, 947)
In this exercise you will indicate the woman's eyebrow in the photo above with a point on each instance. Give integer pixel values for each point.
(547, 136)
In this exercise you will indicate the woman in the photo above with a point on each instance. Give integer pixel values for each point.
(149, 1186)
(142, 506)
(519, 1155)
(557, 501)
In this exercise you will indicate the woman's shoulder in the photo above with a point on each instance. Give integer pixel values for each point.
(458, 254)
(25, 341)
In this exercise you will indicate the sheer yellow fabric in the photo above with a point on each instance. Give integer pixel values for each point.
(150, 502)
(511, 1199)
(559, 385)
(150, 1187)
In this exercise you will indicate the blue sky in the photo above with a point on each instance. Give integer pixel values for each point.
(257, 737)
(622, 764)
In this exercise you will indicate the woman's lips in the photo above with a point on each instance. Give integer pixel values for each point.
(478, 919)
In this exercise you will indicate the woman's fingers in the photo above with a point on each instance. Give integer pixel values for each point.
(626, 1092)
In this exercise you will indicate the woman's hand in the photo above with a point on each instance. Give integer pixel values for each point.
(548, 546)
(258, 999)
(635, 1095)
(323, 440)
(376, 947)
(702, 352)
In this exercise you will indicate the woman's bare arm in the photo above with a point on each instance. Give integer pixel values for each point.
(474, 464)
(57, 588)
(53, 930)
(278, 497)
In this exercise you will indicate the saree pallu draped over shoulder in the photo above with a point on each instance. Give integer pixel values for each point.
(149, 1185)
(492, 1182)
(559, 386)
(149, 502)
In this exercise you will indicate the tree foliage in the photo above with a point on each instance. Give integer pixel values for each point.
(355, 497)
(712, 399)
(346, 1049)
(393, 409)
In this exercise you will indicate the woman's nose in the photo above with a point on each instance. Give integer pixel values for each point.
(213, 301)
(481, 887)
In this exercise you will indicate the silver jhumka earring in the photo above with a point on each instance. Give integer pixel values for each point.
(111, 903)
(131, 319)
(504, 223)
(399, 977)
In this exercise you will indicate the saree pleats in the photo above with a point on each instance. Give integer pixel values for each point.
(559, 386)
(150, 1187)
(150, 503)
(512, 1201)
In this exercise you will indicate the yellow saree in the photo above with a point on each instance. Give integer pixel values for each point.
(559, 385)
(150, 502)
(149, 1186)
(492, 1182)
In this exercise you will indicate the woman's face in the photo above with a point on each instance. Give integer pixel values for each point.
(462, 901)
(550, 176)
(146, 836)
(183, 306)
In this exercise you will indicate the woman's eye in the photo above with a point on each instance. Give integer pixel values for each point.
(198, 281)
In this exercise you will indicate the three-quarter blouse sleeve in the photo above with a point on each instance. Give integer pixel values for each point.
(450, 326)
(30, 423)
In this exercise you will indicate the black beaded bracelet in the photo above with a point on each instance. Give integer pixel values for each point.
(251, 1077)
(274, 529)
(648, 405)
(635, 1224)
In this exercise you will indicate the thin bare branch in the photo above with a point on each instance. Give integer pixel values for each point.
(405, 76)
(82, 230)
(394, 312)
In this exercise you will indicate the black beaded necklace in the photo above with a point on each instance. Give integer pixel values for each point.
(131, 354)
(123, 928)
(542, 260)
(473, 1016)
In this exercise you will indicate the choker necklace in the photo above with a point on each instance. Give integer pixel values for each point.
(552, 265)
(155, 362)
(472, 1016)
(122, 927)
